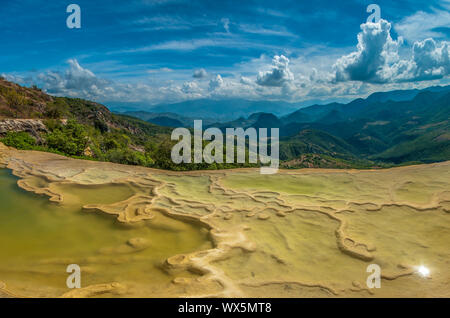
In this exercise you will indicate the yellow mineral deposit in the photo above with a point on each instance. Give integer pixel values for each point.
(139, 232)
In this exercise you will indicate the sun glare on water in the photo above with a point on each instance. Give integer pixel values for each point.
(423, 271)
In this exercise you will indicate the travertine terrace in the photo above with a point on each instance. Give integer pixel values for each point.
(298, 233)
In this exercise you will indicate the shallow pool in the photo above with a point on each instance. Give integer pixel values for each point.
(39, 239)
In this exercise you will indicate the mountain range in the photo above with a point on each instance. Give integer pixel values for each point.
(224, 109)
(397, 126)
(385, 129)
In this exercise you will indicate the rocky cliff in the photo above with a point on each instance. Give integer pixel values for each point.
(32, 126)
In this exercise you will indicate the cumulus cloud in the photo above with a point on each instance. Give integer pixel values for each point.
(377, 60)
(375, 51)
(430, 60)
(16, 79)
(75, 81)
(280, 74)
(200, 73)
(80, 82)
(216, 83)
(190, 87)
(245, 80)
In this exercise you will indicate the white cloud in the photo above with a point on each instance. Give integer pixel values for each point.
(200, 73)
(74, 82)
(261, 30)
(80, 82)
(226, 40)
(226, 24)
(317, 73)
(280, 74)
(15, 78)
(216, 83)
(375, 51)
(245, 80)
(377, 60)
(430, 60)
(160, 70)
(162, 23)
(191, 90)
(422, 25)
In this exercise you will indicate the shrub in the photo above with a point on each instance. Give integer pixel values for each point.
(15, 100)
(57, 109)
(19, 140)
(70, 139)
(52, 124)
(128, 156)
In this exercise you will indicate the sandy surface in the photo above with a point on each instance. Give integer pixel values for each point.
(299, 233)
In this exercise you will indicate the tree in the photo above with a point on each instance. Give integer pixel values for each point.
(70, 139)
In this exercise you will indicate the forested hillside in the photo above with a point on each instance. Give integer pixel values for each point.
(386, 129)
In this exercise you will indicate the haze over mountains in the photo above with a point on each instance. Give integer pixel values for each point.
(231, 109)
(385, 129)
(396, 126)
(224, 110)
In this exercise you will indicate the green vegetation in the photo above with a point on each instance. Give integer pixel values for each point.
(14, 99)
(20, 140)
(88, 130)
(162, 158)
(83, 141)
(70, 139)
(57, 109)
(430, 147)
(313, 160)
(361, 134)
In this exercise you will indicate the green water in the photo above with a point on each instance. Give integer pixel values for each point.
(38, 239)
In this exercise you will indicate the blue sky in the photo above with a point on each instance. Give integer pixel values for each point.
(157, 51)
